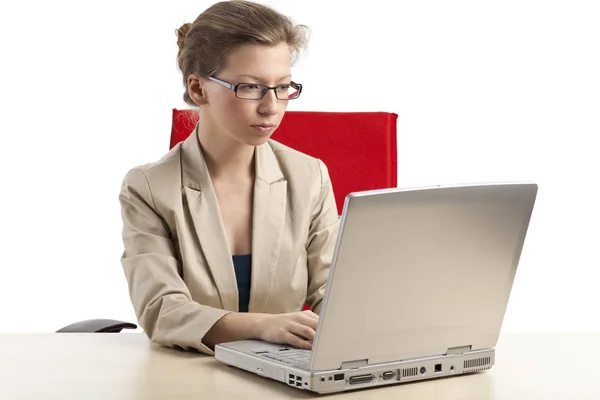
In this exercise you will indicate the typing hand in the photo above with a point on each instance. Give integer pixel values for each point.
(295, 329)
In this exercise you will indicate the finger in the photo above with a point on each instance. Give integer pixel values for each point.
(307, 314)
(303, 331)
(308, 321)
(297, 341)
(310, 314)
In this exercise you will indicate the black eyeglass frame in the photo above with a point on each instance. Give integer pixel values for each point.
(265, 88)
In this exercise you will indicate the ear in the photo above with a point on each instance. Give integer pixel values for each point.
(195, 88)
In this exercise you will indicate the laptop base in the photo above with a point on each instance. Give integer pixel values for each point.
(298, 376)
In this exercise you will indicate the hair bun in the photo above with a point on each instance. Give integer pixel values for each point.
(182, 33)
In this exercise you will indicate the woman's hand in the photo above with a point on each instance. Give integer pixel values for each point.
(295, 329)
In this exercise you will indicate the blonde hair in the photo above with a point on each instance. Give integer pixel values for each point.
(205, 44)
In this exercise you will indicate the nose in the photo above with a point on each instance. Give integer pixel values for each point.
(269, 103)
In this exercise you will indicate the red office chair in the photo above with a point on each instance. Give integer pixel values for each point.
(359, 149)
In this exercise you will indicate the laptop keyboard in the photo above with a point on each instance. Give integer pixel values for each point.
(289, 356)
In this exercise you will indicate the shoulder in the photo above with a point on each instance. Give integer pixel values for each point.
(160, 173)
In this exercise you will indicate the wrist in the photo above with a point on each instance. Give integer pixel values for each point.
(258, 324)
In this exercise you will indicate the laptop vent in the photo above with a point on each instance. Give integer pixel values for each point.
(477, 362)
(408, 372)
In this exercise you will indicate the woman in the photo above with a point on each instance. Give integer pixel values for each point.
(230, 233)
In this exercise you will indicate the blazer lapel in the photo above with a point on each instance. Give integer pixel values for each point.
(203, 212)
(270, 197)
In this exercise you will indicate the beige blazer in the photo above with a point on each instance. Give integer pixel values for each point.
(176, 259)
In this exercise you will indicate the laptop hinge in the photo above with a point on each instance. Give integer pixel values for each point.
(355, 364)
(458, 350)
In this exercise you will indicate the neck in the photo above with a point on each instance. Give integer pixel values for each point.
(225, 157)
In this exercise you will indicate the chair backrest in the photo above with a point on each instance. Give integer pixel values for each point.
(359, 148)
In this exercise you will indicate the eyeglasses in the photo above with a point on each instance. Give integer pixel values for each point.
(255, 91)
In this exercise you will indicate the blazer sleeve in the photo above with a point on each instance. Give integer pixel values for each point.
(160, 297)
(321, 241)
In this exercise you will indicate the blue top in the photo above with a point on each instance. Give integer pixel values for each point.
(243, 269)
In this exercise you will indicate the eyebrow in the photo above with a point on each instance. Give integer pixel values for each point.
(259, 79)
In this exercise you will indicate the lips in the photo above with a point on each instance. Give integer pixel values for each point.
(264, 128)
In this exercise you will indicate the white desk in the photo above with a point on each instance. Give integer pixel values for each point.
(129, 366)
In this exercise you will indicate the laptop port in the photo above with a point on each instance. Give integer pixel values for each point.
(438, 367)
(338, 377)
(423, 370)
(358, 379)
(299, 384)
(388, 375)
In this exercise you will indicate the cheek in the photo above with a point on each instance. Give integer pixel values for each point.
(233, 111)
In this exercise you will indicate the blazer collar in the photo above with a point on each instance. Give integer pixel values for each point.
(202, 209)
(195, 172)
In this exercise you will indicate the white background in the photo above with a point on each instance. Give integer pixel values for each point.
(505, 90)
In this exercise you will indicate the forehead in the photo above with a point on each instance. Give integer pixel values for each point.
(264, 62)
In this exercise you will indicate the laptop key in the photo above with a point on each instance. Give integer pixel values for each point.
(297, 358)
(289, 356)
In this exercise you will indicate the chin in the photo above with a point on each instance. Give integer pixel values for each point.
(253, 138)
(255, 141)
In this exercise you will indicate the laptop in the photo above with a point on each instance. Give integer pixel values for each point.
(417, 290)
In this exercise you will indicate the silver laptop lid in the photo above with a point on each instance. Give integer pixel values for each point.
(420, 272)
